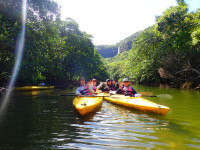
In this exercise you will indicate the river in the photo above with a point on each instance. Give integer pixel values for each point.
(45, 120)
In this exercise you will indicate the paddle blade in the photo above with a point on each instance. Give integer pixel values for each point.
(146, 93)
(150, 94)
(164, 96)
(118, 96)
(112, 92)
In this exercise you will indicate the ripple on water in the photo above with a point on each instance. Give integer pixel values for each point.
(117, 130)
(43, 121)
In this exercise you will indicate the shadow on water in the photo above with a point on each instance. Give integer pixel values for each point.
(88, 118)
(37, 119)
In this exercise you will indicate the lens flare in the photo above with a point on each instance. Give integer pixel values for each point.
(19, 51)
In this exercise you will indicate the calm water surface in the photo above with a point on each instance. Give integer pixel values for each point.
(45, 120)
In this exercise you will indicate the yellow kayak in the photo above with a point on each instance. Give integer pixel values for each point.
(86, 105)
(31, 88)
(138, 103)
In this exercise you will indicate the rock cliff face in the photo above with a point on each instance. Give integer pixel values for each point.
(107, 50)
(112, 50)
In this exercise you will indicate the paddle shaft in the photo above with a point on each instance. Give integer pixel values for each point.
(101, 95)
(149, 96)
(144, 94)
(84, 95)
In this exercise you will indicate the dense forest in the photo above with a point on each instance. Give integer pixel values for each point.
(166, 54)
(56, 52)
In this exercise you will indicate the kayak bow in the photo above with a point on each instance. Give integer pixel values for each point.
(31, 88)
(86, 105)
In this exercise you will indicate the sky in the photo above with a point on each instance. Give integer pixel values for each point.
(110, 21)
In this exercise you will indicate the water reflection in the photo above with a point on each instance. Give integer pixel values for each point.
(118, 127)
(45, 120)
(88, 118)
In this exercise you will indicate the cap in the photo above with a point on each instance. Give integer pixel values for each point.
(94, 79)
(126, 80)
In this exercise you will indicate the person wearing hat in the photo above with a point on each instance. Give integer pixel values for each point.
(126, 89)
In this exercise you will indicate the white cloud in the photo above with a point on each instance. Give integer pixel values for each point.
(110, 21)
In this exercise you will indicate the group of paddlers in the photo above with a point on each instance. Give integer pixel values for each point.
(90, 88)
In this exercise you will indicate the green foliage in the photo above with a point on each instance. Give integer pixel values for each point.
(195, 19)
(126, 44)
(56, 51)
(107, 50)
(8, 35)
(116, 66)
(171, 44)
(196, 37)
(143, 57)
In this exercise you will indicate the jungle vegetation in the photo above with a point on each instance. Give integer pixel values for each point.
(167, 53)
(56, 51)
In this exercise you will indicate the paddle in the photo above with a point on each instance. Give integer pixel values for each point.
(150, 94)
(71, 93)
(113, 94)
(67, 94)
(85, 95)
(144, 94)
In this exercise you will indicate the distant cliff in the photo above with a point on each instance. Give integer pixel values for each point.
(126, 44)
(107, 50)
(112, 50)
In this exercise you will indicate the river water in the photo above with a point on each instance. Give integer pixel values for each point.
(45, 120)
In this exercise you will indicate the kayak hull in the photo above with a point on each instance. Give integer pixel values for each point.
(138, 103)
(86, 105)
(32, 88)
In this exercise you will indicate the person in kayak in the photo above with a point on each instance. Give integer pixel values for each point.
(126, 89)
(42, 83)
(94, 83)
(115, 84)
(83, 89)
(108, 87)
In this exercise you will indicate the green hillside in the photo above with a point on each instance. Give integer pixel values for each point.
(108, 51)
(167, 53)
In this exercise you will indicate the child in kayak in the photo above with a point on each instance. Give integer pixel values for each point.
(126, 89)
(83, 89)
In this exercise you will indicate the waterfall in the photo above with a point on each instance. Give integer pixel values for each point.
(118, 52)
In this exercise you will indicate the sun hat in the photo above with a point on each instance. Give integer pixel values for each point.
(126, 80)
